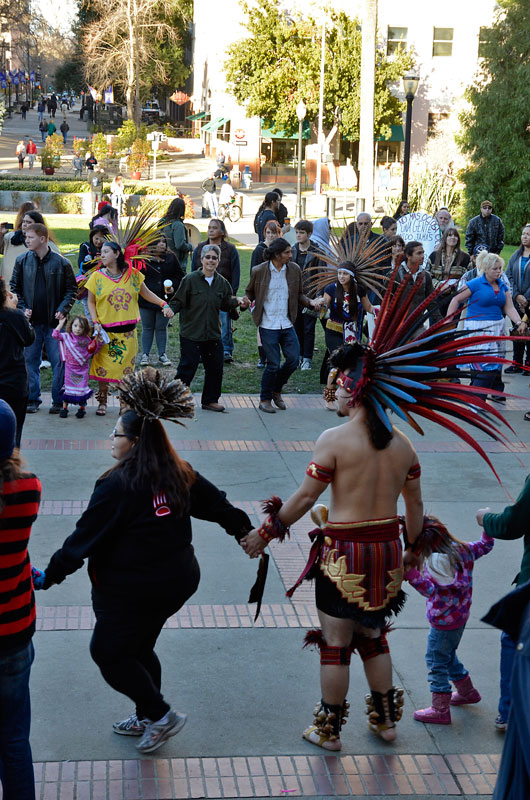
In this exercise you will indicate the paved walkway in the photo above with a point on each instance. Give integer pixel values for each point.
(248, 687)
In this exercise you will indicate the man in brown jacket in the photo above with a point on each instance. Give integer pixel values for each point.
(276, 288)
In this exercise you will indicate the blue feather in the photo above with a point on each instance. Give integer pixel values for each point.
(413, 368)
(395, 391)
(381, 413)
(419, 354)
(390, 403)
(406, 382)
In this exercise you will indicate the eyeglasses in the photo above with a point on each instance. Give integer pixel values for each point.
(119, 435)
(486, 208)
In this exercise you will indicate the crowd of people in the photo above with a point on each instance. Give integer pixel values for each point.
(290, 290)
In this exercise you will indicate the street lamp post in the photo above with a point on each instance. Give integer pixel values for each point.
(410, 86)
(301, 111)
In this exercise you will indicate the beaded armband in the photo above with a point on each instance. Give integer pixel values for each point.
(329, 393)
(323, 474)
(414, 472)
(273, 528)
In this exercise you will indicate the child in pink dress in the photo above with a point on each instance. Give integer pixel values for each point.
(77, 349)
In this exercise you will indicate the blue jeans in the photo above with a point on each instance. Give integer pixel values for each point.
(276, 342)
(64, 136)
(43, 135)
(441, 659)
(226, 333)
(154, 323)
(33, 354)
(16, 764)
(507, 659)
(40, 115)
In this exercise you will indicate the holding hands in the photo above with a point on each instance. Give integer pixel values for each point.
(253, 544)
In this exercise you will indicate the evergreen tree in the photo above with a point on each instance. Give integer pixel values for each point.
(279, 64)
(496, 128)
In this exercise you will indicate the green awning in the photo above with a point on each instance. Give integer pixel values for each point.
(267, 133)
(396, 135)
(200, 115)
(215, 124)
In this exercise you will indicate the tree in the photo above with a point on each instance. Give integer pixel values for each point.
(69, 75)
(134, 44)
(281, 65)
(496, 128)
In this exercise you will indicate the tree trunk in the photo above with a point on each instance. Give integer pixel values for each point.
(131, 57)
(366, 138)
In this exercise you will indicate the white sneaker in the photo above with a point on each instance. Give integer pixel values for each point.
(144, 361)
(44, 364)
(157, 733)
(306, 364)
(164, 360)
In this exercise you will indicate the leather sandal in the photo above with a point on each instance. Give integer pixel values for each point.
(101, 410)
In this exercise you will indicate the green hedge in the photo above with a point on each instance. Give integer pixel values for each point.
(70, 187)
(74, 187)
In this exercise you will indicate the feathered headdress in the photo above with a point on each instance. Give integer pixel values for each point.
(355, 254)
(138, 237)
(411, 371)
(155, 396)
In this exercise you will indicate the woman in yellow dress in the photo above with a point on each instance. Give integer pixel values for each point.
(113, 291)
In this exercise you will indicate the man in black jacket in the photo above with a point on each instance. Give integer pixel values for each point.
(486, 228)
(45, 284)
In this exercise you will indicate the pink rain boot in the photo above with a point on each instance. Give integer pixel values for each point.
(439, 713)
(465, 694)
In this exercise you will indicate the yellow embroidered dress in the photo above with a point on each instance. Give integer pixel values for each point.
(117, 310)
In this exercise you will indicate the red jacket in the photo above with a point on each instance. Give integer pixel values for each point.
(31, 149)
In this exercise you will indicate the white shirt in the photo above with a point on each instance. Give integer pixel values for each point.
(226, 193)
(275, 308)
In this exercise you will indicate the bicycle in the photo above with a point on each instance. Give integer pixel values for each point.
(232, 210)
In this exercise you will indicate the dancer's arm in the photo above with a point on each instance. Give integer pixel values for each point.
(302, 499)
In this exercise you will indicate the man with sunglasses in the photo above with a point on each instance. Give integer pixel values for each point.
(486, 228)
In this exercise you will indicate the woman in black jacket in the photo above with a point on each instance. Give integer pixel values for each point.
(136, 534)
(163, 275)
(16, 333)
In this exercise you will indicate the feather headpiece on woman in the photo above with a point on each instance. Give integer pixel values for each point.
(411, 370)
(154, 395)
(355, 254)
(137, 239)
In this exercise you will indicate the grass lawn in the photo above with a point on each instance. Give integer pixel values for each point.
(240, 377)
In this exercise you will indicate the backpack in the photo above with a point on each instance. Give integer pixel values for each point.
(257, 220)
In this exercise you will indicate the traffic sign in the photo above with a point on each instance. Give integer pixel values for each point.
(238, 143)
(240, 136)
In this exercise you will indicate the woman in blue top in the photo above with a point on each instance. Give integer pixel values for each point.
(488, 301)
(518, 273)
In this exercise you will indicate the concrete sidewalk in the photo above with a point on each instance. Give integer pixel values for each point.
(249, 688)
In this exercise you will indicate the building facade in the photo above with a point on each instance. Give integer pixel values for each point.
(446, 40)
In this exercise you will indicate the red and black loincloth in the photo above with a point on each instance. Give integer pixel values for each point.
(358, 569)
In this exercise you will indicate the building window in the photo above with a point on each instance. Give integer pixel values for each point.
(432, 125)
(442, 42)
(395, 38)
(483, 39)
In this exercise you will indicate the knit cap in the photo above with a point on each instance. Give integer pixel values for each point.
(8, 428)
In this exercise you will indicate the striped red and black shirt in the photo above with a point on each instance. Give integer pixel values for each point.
(17, 601)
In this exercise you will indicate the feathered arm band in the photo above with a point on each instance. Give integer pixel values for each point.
(273, 528)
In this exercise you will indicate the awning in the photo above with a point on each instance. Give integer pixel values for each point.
(200, 115)
(267, 133)
(215, 124)
(396, 135)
